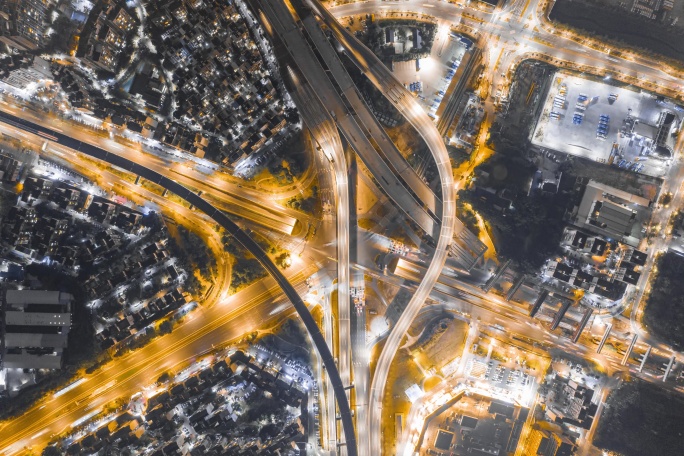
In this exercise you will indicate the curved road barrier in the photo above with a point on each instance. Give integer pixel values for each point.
(230, 226)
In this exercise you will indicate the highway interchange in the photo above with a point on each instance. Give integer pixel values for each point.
(515, 32)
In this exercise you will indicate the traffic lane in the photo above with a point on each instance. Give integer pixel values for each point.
(384, 80)
(262, 210)
(128, 382)
(323, 90)
(392, 155)
(454, 14)
(243, 238)
(201, 324)
(328, 138)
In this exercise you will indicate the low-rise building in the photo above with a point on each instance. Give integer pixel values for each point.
(112, 27)
(570, 403)
(548, 443)
(31, 71)
(35, 328)
(613, 213)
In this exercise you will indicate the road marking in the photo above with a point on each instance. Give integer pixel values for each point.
(39, 434)
(104, 388)
(527, 3)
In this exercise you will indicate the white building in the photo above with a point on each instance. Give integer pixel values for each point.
(38, 71)
(36, 327)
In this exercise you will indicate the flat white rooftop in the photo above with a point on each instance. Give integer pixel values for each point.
(24, 297)
(37, 318)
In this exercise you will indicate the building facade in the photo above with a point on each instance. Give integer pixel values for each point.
(22, 23)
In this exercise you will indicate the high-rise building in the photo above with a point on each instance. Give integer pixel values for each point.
(23, 23)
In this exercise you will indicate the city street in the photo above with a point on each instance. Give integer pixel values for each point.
(329, 268)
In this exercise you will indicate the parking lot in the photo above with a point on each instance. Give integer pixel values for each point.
(587, 118)
(432, 80)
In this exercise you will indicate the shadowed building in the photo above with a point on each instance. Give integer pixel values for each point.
(22, 23)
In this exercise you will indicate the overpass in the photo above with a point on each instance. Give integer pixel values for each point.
(397, 94)
(349, 119)
(246, 205)
(242, 237)
(325, 134)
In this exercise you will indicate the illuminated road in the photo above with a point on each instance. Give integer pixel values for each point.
(347, 120)
(514, 38)
(325, 135)
(275, 16)
(245, 240)
(246, 203)
(391, 155)
(534, 34)
(395, 92)
(248, 310)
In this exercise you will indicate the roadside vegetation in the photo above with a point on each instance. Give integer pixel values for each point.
(457, 155)
(195, 255)
(466, 214)
(624, 29)
(246, 269)
(309, 204)
(664, 312)
(641, 419)
(530, 231)
(374, 38)
(290, 161)
(290, 339)
(524, 224)
(283, 164)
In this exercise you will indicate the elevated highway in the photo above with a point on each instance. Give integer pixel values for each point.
(242, 237)
(280, 20)
(345, 86)
(235, 200)
(395, 92)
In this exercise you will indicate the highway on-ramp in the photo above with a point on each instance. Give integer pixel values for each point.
(397, 94)
(243, 238)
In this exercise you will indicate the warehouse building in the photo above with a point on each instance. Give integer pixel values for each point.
(35, 327)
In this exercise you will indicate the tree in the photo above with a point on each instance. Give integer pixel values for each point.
(62, 30)
(283, 260)
(666, 198)
(165, 327)
(269, 431)
(197, 251)
(51, 451)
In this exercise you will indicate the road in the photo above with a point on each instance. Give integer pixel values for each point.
(243, 238)
(280, 20)
(533, 34)
(326, 137)
(347, 90)
(516, 38)
(251, 309)
(383, 79)
(245, 203)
